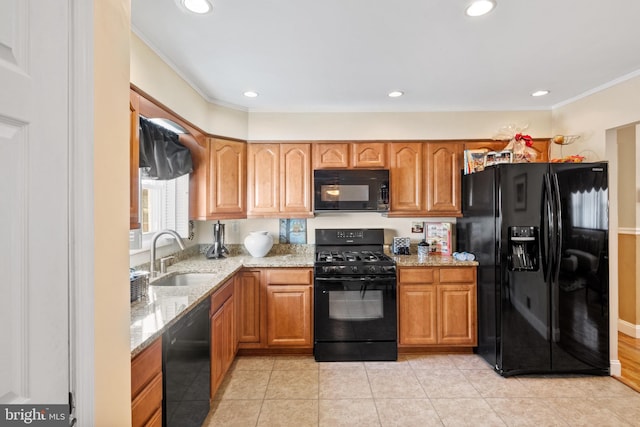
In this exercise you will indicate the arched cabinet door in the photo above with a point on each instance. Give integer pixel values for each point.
(406, 176)
(443, 178)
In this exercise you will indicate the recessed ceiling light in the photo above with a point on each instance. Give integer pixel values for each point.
(480, 7)
(250, 94)
(540, 93)
(395, 94)
(197, 6)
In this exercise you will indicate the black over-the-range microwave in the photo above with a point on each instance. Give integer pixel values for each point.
(351, 190)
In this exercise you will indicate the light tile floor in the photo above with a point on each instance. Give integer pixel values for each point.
(417, 390)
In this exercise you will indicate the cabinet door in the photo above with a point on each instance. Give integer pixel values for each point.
(289, 316)
(406, 176)
(417, 316)
(485, 145)
(330, 155)
(249, 308)
(218, 353)
(443, 178)
(146, 385)
(368, 155)
(457, 315)
(295, 180)
(541, 147)
(134, 161)
(263, 179)
(230, 333)
(226, 196)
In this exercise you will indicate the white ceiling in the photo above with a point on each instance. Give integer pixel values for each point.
(346, 55)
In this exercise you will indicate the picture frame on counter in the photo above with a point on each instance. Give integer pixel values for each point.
(293, 231)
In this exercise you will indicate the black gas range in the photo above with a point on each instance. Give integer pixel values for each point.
(355, 314)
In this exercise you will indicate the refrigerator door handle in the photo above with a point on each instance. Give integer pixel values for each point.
(550, 243)
(558, 227)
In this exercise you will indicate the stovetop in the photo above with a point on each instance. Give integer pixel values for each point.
(351, 256)
(353, 252)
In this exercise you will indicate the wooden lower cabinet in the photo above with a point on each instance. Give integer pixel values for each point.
(250, 303)
(289, 315)
(437, 306)
(275, 308)
(223, 333)
(146, 386)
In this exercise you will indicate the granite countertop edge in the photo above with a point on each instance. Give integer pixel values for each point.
(153, 314)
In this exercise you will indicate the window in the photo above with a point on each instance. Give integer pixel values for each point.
(163, 204)
(590, 209)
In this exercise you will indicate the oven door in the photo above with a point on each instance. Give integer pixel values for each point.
(355, 309)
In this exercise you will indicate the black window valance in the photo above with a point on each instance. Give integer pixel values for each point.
(161, 154)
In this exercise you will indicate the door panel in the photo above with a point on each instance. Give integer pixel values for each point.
(34, 218)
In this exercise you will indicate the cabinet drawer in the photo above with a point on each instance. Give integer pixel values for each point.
(220, 296)
(145, 366)
(289, 276)
(417, 275)
(147, 403)
(457, 275)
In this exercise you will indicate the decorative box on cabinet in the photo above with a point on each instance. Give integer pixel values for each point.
(146, 386)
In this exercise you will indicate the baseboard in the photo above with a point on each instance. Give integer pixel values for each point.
(629, 328)
(615, 368)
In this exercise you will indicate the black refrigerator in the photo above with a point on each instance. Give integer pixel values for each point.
(540, 235)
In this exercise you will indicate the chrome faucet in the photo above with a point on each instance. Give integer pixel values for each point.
(152, 267)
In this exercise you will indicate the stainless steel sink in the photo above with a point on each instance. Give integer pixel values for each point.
(184, 279)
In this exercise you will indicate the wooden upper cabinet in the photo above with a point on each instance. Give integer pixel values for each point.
(346, 155)
(295, 179)
(540, 146)
(134, 161)
(406, 176)
(443, 178)
(368, 155)
(263, 179)
(279, 180)
(330, 155)
(227, 179)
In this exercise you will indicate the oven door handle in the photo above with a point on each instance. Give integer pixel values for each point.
(355, 279)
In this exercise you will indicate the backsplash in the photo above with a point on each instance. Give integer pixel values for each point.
(277, 249)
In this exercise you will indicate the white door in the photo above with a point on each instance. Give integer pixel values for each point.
(34, 201)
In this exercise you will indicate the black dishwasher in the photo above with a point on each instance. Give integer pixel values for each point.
(186, 369)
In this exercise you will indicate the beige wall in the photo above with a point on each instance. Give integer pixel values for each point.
(593, 115)
(627, 185)
(151, 74)
(111, 189)
(427, 125)
(627, 248)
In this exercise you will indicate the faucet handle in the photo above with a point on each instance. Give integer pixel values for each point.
(163, 263)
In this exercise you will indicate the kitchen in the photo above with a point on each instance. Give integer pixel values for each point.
(599, 114)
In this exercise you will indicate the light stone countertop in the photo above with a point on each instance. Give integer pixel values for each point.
(430, 261)
(164, 305)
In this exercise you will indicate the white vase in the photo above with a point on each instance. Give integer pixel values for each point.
(258, 243)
